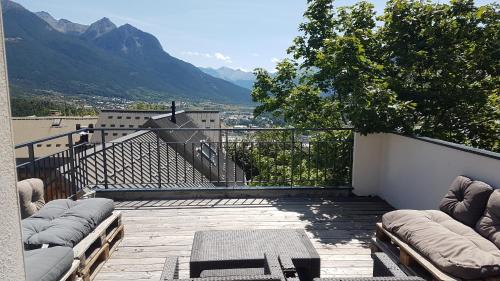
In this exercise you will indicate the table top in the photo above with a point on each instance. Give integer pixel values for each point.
(219, 245)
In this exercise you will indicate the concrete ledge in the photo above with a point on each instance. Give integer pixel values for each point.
(121, 194)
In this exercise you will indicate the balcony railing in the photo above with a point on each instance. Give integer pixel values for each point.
(192, 157)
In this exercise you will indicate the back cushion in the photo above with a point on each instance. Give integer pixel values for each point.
(466, 200)
(489, 224)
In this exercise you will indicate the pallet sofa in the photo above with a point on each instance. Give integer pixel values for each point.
(461, 241)
(66, 238)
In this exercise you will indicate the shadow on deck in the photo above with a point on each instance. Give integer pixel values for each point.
(339, 228)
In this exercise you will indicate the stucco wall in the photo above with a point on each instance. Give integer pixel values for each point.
(413, 173)
(11, 259)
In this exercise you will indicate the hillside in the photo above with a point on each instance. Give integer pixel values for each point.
(103, 60)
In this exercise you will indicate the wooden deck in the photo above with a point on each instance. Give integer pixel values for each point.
(339, 229)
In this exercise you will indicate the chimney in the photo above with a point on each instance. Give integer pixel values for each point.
(172, 117)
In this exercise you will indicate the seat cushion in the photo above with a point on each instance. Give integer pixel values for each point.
(466, 200)
(47, 264)
(453, 247)
(30, 196)
(489, 224)
(65, 222)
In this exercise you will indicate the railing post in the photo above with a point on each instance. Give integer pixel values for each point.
(104, 161)
(293, 157)
(72, 163)
(31, 155)
(158, 152)
(227, 159)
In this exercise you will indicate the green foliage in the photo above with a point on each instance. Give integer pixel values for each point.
(424, 68)
(40, 106)
(282, 158)
(147, 106)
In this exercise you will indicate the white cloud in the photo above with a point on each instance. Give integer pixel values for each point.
(222, 57)
(275, 60)
(216, 55)
(196, 54)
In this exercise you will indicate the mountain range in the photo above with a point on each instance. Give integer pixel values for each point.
(102, 59)
(237, 76)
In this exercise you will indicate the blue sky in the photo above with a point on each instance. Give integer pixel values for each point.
(211, 33)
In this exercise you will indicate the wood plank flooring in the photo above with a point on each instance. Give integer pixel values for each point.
(339, 229)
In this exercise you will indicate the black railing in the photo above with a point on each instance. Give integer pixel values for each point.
(193, 157)
(57, 169)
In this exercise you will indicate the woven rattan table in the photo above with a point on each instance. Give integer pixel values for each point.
(246, 249)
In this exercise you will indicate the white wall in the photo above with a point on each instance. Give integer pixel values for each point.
(414, 174)
(11, 259)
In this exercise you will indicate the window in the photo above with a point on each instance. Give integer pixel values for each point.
(124, 134)
(207, 152)
(67, 145)
(119, 117)
(106, 134)
(49, 145)
(128, 117)
(212, 120)
(103, 125)
(203, 120)
(130, 126)
(110, 117)
(115, 134)
(39, 145)
(121, 126)
(58, 145)
(113, 125)
(56, 122)
(146, 118)
(137, 117)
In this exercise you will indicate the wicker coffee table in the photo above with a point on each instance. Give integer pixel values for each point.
(246, 248)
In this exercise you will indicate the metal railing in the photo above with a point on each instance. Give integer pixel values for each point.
(193, 157)
(57, 170)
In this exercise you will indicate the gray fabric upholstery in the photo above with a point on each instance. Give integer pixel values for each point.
(30, 196)
(466, 200)
(47, 264)
(489, 224)
(450, 245)
(65, 222)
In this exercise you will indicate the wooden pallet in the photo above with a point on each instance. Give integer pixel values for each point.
(408, 258)
(71, 275)
(94, 249)
(114, 238)
(93, 266)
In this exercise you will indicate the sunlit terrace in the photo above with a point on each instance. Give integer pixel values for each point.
(169, 184)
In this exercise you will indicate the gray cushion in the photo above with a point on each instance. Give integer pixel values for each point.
(30, 196)
(453, 247)
(466, 200)
(489, 224)
(48, 264)
(65, 222)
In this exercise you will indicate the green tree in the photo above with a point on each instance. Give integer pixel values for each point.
(141, 105)
(300, 158)
(425, 68)
(42, 106)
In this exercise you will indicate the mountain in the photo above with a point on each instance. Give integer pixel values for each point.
(236, 76)
(104, 60)
(62, 25)
(98, 28)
